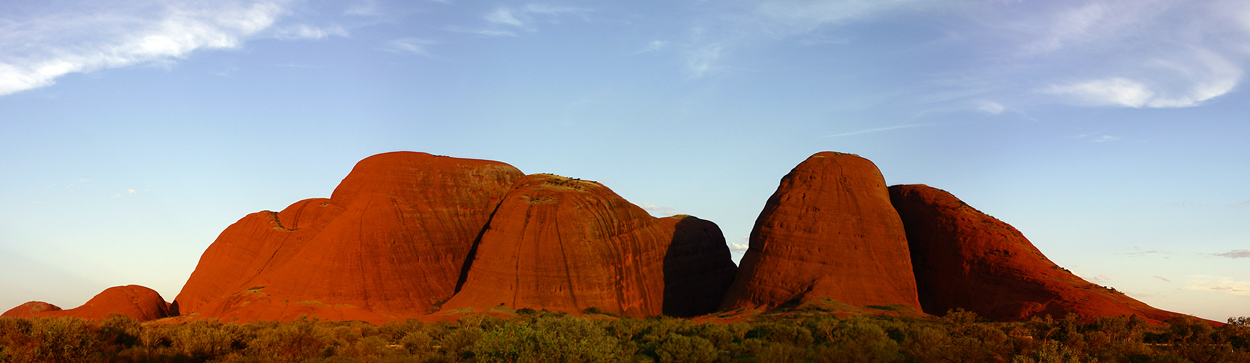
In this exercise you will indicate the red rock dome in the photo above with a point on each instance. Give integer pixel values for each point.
(828, 231)
(563, 244)
(389, 243)
(134, 301)
(29, 309)
(966, 259)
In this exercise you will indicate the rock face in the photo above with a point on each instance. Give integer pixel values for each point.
(134, 301)
(29, 309)
(569, 245)
(966, 259)
(828, 231)
(390, 242)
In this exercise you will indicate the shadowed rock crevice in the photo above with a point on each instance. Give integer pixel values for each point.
(697, 268)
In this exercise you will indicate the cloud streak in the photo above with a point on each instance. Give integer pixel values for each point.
(1235, 254)
(39, 49)
(873, 130)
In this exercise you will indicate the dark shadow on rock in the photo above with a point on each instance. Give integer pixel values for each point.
(697, 268)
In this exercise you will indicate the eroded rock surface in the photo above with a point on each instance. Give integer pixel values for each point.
(828, 231)
(570, 245)
(966, 259)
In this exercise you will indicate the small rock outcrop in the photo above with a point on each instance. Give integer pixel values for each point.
(29, 309)
(135, 301)
(829, 231)
(390, 242)
(570, 245)
(966, 259)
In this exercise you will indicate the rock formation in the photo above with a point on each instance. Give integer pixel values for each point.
(29, 309)
(569, 245)
(966, 259)
(828, 231)
(134, 301)
(390, 242)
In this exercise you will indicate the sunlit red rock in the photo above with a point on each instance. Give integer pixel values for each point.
(29, 309)
(134, 301)
(569, 245)
(389, 243)
(966, 259)
(828, 231)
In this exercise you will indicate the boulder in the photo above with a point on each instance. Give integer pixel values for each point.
(571, 245)
(829, 231)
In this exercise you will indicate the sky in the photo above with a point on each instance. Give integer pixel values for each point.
(1112, 133)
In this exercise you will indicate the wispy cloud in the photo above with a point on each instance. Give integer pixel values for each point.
(525, 16)
(806, 15)
(39, 48)
(702, 60)
(657, 210)
(874, 130)
(1183, 81)
(503, 16)
(1138, 252)
(304, 31)
(653, 46)
(411, 45)
(990, 107)
(1235, 254)
(482, 32)
(1163, 278)
(1220, 285)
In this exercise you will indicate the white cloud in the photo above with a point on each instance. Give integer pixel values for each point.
(503, 16)
(738, 247)
(131, 191)
(38, 49)
(657, 210)
(411, 45)
(303, 31)
(1112, 91)
(1105, 138)
(1184, 80)
(990, 107)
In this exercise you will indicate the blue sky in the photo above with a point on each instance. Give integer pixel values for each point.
(1111, 133)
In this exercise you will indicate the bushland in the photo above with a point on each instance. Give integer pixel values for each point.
(538, 336)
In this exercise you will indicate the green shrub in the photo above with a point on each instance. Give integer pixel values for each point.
(680, 348)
